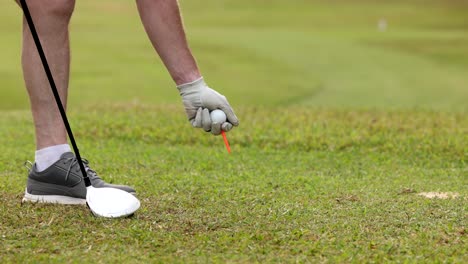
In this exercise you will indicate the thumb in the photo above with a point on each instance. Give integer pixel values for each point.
(231, 117)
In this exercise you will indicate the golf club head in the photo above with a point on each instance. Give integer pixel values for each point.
(111, 202)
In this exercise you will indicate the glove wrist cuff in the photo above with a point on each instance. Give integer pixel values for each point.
(200, 82)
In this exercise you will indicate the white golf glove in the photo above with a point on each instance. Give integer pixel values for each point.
(199, 100)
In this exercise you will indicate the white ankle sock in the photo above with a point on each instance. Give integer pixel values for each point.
(48, 156)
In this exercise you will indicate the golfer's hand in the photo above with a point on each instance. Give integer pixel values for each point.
(199, 100)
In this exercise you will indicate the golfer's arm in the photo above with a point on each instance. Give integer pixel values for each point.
(163, 24)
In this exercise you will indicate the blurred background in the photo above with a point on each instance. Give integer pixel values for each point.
(338, 54)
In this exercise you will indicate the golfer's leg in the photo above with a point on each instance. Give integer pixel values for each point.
(51, 18)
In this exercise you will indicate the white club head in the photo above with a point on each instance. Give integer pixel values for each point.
(111, 202)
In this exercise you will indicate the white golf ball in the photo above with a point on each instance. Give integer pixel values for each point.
(218, 116)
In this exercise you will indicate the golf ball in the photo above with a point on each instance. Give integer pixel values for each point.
(218, 116)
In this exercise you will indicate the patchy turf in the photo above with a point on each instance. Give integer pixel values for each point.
(312, 186)
(342, 128)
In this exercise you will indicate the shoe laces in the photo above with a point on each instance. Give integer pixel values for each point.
(91, 174)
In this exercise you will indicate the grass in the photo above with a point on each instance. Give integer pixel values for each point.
(343, 189)
(342, 127)
(310, 53)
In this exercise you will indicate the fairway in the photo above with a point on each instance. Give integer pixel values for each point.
(342, 128)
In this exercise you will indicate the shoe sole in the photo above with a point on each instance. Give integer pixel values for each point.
(53, 199)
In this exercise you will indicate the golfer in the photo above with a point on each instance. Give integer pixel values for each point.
(55, 176)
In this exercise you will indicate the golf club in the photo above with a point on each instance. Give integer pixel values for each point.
(105, 202)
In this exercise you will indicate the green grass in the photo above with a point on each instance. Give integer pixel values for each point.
(327, 185)
(310, 53)
(341, 127)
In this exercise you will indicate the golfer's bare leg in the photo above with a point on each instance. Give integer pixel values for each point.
(51, 18)
(163, 24)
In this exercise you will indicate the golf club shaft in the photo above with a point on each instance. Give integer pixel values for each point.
(35, 36)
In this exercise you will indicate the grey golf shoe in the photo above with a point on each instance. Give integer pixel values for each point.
(63, 182)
